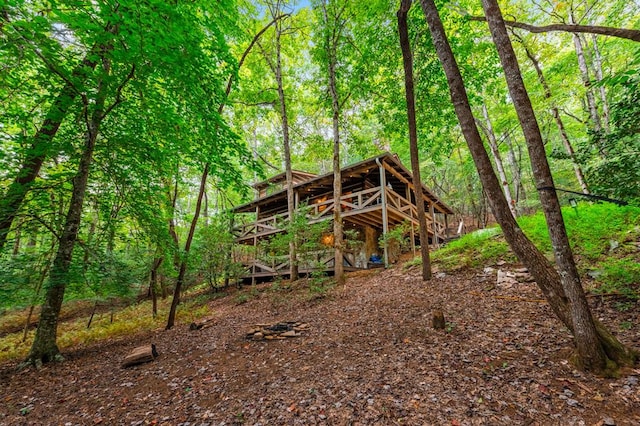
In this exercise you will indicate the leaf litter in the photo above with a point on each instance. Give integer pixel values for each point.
(368, 357)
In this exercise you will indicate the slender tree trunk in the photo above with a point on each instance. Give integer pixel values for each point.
(591, 354)
(515, 171)
(187, 247)
(203, 187)
(493, 144)
(407, 58)
(331, 42)
(45, 348)
(597, 66)
(586, 79)
(545, 275)
(42, 276)
(556, 116)
(293, 258)
(153, 284)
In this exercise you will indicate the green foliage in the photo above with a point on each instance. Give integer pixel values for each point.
(620, 276)
(306, 237)
(133, 319)
(212, 254)
(479, 248)
(603, 237)
(612, 157)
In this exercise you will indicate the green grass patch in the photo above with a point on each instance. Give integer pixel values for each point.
(605, 239)
(126, 322)
(473, 250)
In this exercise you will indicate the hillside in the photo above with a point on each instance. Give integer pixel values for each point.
(369, 357)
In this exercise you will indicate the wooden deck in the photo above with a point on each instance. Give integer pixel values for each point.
(363, 207)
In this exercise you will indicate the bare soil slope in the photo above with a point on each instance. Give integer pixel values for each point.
(369, 357)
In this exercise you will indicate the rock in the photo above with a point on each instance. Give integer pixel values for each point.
(572, 402)
(608, 421)
(505, 279)
(258, 336)
(290, 333)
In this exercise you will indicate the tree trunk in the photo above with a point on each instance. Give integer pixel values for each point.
(597, 66)
(545, 275)
(493, 144)
(586, 80)
(590, 352)
(331, 43)
(45, 348)
(293, 258)
(187, 248)
(515, 171)
(407, 59)
(153, 284)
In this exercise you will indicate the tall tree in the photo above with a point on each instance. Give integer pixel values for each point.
(275, 64)
(407, 59)
(44, 347)
(547, 278)
(334, 21)
(591, 354)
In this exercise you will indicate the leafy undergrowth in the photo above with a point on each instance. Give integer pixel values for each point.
(73, 333)
(605, 239)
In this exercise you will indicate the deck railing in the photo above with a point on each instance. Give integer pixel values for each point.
(352, 204)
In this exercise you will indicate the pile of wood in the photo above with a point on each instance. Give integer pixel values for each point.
(277, 331)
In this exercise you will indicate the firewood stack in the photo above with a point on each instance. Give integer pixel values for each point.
(277, 331)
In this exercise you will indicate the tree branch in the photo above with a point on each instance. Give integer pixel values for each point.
(626, 33)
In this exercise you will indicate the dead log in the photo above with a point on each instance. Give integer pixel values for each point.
(208, 322)
(140, 355)
(438, 320)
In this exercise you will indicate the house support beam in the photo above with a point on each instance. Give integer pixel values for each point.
(385, 219)
(413, 234)
(434, 242)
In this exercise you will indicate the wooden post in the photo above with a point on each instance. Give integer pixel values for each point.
(434, 243)
(255, 249)
(446, 225)
(413, 235)
(385, 219)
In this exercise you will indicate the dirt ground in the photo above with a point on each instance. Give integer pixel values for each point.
(370, 357)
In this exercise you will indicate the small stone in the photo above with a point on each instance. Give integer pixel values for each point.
(632, 380)
(568, 392)
(608, 421)
(572, 402)
(258, 336)
(290, 333)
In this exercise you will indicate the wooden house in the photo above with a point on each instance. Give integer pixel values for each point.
(377, 195)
